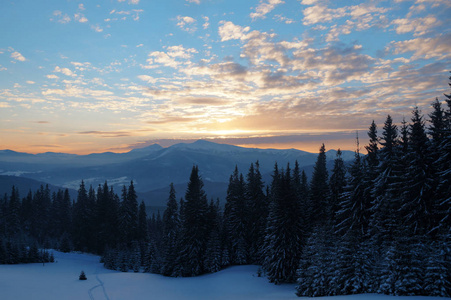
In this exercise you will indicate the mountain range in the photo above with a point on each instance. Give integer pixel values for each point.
(153, 168)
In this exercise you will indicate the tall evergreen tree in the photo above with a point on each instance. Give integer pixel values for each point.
(83, 217)
(132, 209)
(354, 211)
(171, 234)
(65, 214)
(443, 167)
(319, 189)
(129, 214)
(372, 163)
(194, 228)
(353, 262)
(385, 220)
(258, 212)
(142, 223)
(236, 217)
(13, 218)
(337, 183)
(40, 218)
(213, 251)
(386, 196)
(106, 217)
(417, 204)
(284, 231)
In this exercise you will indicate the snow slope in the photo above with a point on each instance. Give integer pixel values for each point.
(60, 281)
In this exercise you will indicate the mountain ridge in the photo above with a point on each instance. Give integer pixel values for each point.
(153, 168)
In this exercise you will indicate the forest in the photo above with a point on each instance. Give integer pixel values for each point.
(381, 224)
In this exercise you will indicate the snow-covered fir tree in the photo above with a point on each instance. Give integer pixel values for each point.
(171, 229)
(283, 244)
(236, 219)
(194, 227)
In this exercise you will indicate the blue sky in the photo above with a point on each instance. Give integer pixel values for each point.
(94, 76)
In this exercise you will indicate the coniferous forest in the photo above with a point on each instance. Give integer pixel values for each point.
(381, 224)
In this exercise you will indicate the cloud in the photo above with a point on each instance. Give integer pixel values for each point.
(134, 13)
(17, 56)
(96, 28)
(210, 101)
(181, 52)
(130, 1)
(107, 134)
(322, 14)
(147, 78)
(2, 68)
(193, 1)
(169, 120)
(187, 24)
(40, 122)
(80, 18)
(171, 58)
(264, 8)
(206, 24)
(283, 19)
(81, 6)
(419, 26)
(60, 17)
(52, 76)
(30, 82)
(64, 71)
(229, 31)
(425, 47)
(308, 2)
(73, 91)
(46, 146)
(259, 48)
(82, 66)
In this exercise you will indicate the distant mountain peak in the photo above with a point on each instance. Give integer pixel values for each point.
(206, 145)
(152, 147)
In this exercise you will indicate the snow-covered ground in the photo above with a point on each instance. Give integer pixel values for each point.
(60, 281)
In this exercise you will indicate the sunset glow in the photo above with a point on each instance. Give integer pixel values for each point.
(82, 76)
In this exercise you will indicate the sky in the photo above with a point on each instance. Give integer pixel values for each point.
(113, 75)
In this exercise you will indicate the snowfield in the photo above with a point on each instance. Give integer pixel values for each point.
(59, 280)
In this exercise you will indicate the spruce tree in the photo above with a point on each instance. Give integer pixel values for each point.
(129, 214)
(417, 203)
(213, 251)
(371, 163)
(83, 217)
(353, 213)
(443, 164)
(171, 233)
(319, 189)
(284, 231)
(258, 212)
(337, 183)
(194, 228)
(13, 219)
(315, 274)
(142, 223)
(132, 209)
(385, 190)
(236, 217)
(106, 218)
